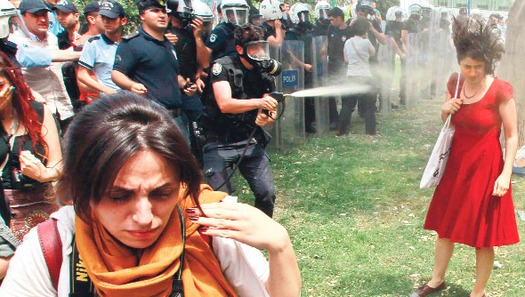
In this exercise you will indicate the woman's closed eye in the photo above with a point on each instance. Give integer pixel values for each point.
(119, 196)
(161, 194)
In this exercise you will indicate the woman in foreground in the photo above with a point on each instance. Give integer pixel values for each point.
(140, 207)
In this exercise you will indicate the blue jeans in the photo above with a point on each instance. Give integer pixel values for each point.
(219, 157)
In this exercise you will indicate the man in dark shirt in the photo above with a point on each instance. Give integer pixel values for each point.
(338, 33)
(146, 62)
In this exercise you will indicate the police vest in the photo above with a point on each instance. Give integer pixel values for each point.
(226, 127)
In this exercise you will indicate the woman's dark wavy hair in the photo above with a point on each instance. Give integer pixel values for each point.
(477, 40)
(22, 96)
(106, 133)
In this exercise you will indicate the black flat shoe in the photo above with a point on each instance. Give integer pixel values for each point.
(426, 290)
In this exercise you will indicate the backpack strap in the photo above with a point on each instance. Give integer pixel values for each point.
(51, 244)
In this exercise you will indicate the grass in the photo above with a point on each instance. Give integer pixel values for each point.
(354, 210)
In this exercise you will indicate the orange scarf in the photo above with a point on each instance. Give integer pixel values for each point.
(117, 271)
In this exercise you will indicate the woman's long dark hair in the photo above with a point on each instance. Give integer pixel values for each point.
(21, 97)
(477, 40)
(106, 133)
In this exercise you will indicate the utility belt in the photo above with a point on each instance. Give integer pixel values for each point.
(229, 136)
(175, 111)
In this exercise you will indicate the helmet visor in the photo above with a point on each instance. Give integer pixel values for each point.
(323, 14)
(236, 15)
(258, 50)
(304, 17)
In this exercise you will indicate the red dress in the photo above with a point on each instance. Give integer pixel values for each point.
(463, 208)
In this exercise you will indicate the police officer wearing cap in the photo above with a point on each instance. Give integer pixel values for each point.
(146, 62)
(235, 112)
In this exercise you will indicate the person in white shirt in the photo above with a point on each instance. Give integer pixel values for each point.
(357, 52)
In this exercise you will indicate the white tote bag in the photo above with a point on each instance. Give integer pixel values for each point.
(439, 157)
(440, 153)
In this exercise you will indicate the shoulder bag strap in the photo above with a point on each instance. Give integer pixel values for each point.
(449, 118)
(51, 247)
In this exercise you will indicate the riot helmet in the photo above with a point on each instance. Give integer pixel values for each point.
(395, 13)
(415, 11)
(235, 11)
(203, 11)
(300, 13)
(365, 6)
(270, 10)
(183, 9)
(7, 11)
(321, 10)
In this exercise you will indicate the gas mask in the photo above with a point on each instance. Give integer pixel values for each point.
(257, 54)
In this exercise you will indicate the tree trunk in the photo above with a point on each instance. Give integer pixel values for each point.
(512, 65)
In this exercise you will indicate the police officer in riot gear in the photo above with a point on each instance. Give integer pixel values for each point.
(234, 113)
(322, 19)
(220, 42)
(300, 16)
(272, 15)
(411, 26)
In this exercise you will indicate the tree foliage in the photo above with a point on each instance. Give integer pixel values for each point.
(132, 13)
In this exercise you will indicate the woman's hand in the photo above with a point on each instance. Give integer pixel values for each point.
(251, 226)
(501, 186)
(31, 166)
(451, 106)
(241, 222)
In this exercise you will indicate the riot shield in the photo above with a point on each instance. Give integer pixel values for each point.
(274, 129)
(386, 68)
(289, 130)
(412, 70)
(320, 73)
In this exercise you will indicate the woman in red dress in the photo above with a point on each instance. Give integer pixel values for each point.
(473, 204)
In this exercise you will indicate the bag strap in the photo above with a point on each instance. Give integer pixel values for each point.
(79, 281)
(457, 86)
(51, 244)
(176, 288)
(449, 118)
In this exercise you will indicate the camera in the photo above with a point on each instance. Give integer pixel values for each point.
(19, 180)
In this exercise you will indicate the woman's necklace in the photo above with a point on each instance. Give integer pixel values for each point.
(482, 84)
